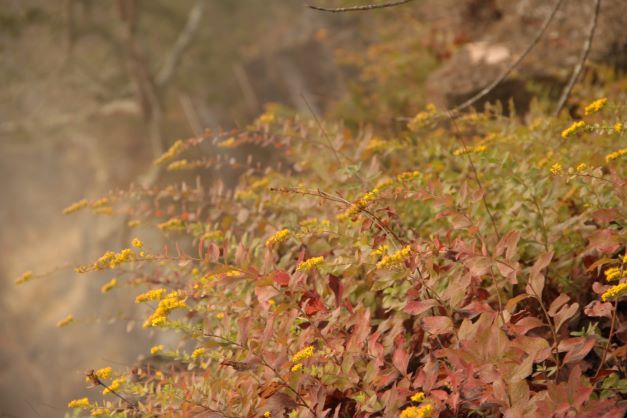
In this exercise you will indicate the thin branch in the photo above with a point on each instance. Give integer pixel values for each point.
(513, 65)
(362, 8)
(182, 42)
(582, 59)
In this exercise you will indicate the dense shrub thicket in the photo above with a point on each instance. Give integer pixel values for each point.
(467, 267)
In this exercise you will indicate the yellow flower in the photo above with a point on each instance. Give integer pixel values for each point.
(137, 243)
(134, 223)
(26, 276)
(309, 264)
(172, 152)
(75, 207)
(376, 144)
(380, 251)
(423, 411)
(614, 273)
(297, 367)
(572, 129)
(418, 397)
(267, 414)
(220, 315)
(277, 238)
(171, 225)
(556, 169)
(266, 117)
(408, 175)
(595, 106)
(156, 349)
(303, 354)
(422, 118)
(228, 143)
(114, 386)
(108, 286)
(65, 321)
(97, 412)
(394, 259)
(198, 353)
(471, 150)
(614, 155)
(154, 294)
(618, 127)
(104, 373)
(82, 403)
(615, 291)
(166, 305)
(359, 204)
(581, 167)
(178, 165)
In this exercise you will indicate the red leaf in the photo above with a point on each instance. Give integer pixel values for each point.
(416, 307)
(400, 358)
(598, 309)
(311, 303)
(604, 240)
(509, 242)
(437, 325)
(281, 277)
(338, 289)
(576, 348)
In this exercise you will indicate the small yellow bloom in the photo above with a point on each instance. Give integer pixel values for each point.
(228, 143)
(154, 294)
(220, 315)
(418, 397)
(615, 291)
(98, 412)
(581, 167)
(156, 349)
(303, 354)
(134, 223)
(616, 154)
(595, 106)
(137, 243)
(172, 152)
(572, 129)
(267, 414)
(618, 127)
(178, 165)
(114, 386)
(556, 169)
(266, 118)
(310, 264)
(277, 238)
(104, 373)
(82, 403)
(423, 411)
(75, 207)
(614, 273)
(65, 321)
(26, 276)
(109, 285)
(198, 353)
(395, 259)
(297, 367)
(408, 175)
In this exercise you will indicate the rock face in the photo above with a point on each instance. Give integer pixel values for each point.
(498, 31)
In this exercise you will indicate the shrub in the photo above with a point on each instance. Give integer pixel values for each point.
(463, 268)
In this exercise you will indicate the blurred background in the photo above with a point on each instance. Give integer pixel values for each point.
(92, 91)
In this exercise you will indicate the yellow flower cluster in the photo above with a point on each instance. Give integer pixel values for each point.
(297, 367)
(154, 294)
(199, 352)
(376, 144)
(394, 259)
(573, 129)
(618, 127)
(109, 285)
(408, 175)
(380, 251)
(595, 106)
(166, 305)
(108, 260)
(359, 204)
(303, 354)
(156, 349)
(423, 411)
(212, 236)
(65, 321)
(79, 403)
(171, 225)
(26, 276)
(99, 411)
(104, 373)
(172, 152)
(267, 414)
(227, 143)
(614, 273)
(137, 243)
(418, 397)
(309, 264)
(614, 155)
(75, 207)
(614, 291)
(422, 118)
(581, 167)
(134, 223)
(267, 117)
(178, 165)
(556, 169)
(114, 386)
(277, 238)
(477, 149)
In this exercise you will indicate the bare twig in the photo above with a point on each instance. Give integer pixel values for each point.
(582, 59)
(182, 42)
(513, 65)
(361, 8)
